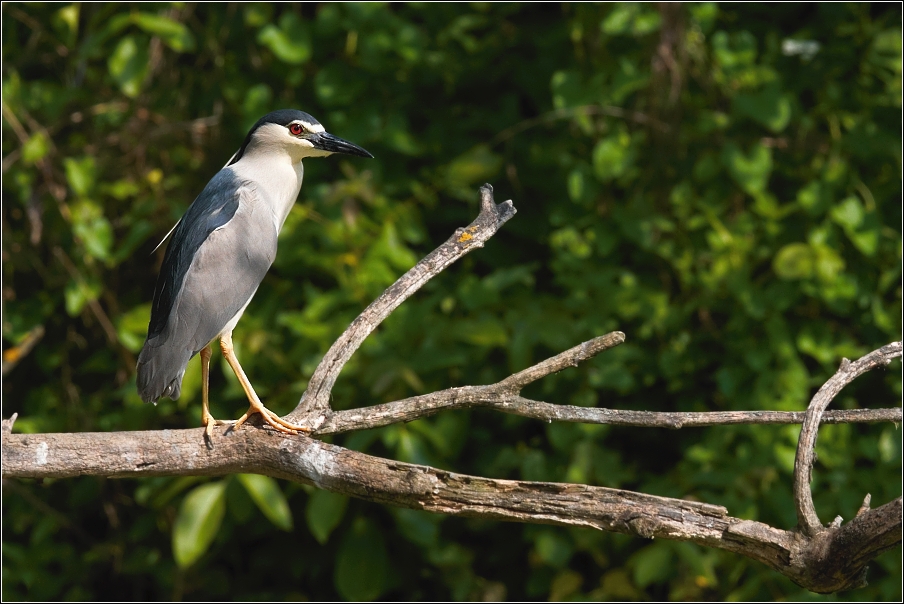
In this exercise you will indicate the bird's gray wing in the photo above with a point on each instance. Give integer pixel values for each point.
(224, 276)
(231, 161)
(216, 259)
(213, 208)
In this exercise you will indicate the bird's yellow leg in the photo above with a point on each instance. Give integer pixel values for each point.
(256, 405)
(207, 419)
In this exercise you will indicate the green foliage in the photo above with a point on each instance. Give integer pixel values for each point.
(324, 513)
(720, 182)
(362, 562)
(198, 522)
(269, 498)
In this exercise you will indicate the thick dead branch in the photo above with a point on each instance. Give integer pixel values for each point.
(807, 519)
(315, 403)
(817, 565)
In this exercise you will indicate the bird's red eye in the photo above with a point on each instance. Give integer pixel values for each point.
(296, 129)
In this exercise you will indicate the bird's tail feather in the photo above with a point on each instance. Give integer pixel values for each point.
(160, 371)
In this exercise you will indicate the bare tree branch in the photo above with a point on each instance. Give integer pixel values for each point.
(807, 519)
(820, 559)
(309, 461)
(504, 396)
(315, 403)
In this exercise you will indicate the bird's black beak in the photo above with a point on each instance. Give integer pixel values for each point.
(327, 142)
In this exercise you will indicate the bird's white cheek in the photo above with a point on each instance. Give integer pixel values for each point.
(304, 148)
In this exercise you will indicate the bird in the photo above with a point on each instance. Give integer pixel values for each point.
(220, 251)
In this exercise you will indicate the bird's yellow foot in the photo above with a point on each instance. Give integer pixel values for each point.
(208, 421)
(271, 418)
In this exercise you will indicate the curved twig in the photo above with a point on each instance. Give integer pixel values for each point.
(807, 519)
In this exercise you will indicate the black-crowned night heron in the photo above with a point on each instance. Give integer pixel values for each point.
(219, 253)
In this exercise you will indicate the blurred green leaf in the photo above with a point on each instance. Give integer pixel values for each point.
(397, 134)
(486, 332)
(885, 52)
(92, 228)
(554, 548)
(569, 90)
(794, 261)
(565, 584)
(568, 238)
(80, 292)
(132, 327)
(122, 189)
(160, 491)
(80, 174)
(257, 14)
(198, 522)
(734, 50)
(324, 513)
(474, 166)
(265, 492)
(828, 262)
(257, 101)
(418, 526)
(810, 196)
(629, 18)
(174, 34)
(852, 217)
(849, 213)
(652, 564)
(361, 562)
(290, 42)
(35, 148)
(128, 64)
(750, 171)
(769, 107)
(613, 156)
(889, 446)
(66, 21)
(336, 84)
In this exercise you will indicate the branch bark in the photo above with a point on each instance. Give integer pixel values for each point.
(820, 559)
(828, 563)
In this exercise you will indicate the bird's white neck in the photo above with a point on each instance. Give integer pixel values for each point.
(276, 179)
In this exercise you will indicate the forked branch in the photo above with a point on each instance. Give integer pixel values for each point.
(314, 405)
(505, 396)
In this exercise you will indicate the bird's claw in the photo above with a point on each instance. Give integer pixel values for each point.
(208, 421)
(275, 421)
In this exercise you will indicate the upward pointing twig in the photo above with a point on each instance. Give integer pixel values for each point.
(314, 405)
